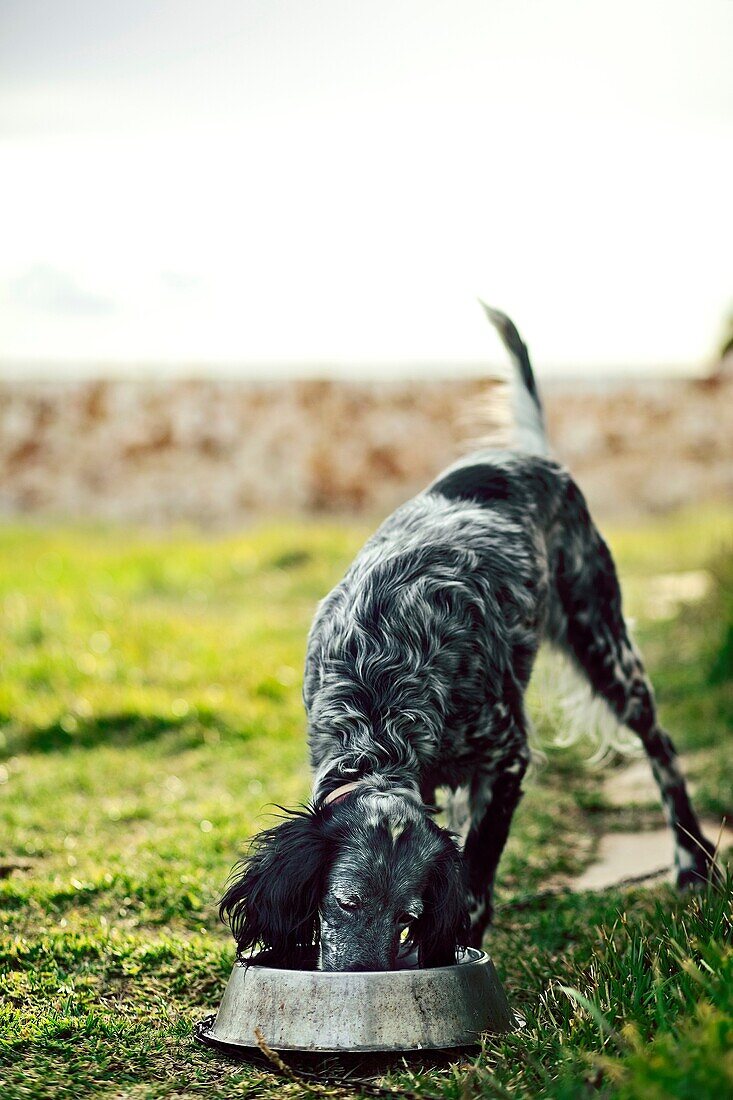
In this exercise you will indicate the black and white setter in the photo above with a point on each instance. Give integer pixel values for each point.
(415, 674)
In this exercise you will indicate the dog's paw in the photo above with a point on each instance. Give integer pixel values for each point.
(481, 914)
(696, 869)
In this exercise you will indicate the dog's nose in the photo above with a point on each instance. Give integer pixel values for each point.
(372, 964)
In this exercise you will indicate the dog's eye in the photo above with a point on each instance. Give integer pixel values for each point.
(405, 919)
(350, 903)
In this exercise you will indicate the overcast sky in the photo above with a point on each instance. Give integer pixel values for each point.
(330, 180)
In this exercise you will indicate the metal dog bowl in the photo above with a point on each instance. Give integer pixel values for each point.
(397, 1010)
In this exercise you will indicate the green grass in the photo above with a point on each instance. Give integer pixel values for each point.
(149, 713)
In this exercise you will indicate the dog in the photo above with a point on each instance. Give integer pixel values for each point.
(416, 669)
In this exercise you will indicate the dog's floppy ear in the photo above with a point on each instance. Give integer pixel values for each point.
(443, 925)
(276, 890)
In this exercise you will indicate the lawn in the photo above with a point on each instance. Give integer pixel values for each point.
(149, 713)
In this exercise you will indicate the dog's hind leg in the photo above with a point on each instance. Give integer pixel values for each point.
(587, 622)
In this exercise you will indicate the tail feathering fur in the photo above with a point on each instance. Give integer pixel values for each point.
(530, 434)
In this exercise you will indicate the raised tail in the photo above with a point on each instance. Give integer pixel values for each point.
(530, 434)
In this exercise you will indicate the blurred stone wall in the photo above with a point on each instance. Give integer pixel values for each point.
(218, 452)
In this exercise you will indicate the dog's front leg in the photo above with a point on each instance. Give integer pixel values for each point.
(495, 793)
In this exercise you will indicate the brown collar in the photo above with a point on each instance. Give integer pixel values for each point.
(341, 792)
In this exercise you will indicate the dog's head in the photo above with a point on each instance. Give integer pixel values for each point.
(360, 878)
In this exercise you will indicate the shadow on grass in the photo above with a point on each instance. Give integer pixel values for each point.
(120, 728)
(344, 1068)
